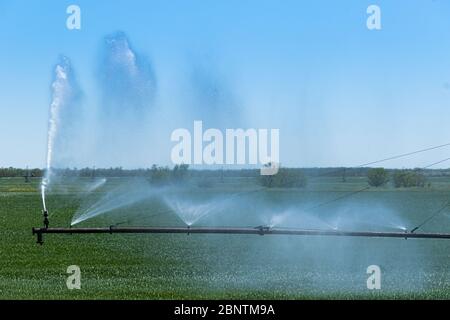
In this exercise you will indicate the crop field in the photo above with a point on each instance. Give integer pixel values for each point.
(171, 266)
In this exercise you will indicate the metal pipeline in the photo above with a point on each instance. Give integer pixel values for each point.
(261, 230)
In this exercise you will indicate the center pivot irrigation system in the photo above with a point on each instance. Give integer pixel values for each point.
(260, 230)
(267, 230)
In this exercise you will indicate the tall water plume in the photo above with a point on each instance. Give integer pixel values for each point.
(64, 94)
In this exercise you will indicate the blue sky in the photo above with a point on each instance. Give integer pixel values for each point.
(339, 93)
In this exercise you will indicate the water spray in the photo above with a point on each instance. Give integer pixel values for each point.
(431, 217)
(61, 91)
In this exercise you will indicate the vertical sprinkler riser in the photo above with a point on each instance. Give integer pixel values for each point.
(39, 235)
(46, 221)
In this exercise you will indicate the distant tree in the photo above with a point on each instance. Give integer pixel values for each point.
(408, 179)
(180, 172)
(36, 173)
(285, 178)
(160, 175)
(377, 177)
(267, 180)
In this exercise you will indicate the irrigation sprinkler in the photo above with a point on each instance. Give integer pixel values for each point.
(46, 221)
(261, 230)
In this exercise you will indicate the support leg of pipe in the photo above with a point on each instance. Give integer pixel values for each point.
(39, 236)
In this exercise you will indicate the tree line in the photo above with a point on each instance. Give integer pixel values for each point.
(18, 172)
(378, 177)
(285, 178)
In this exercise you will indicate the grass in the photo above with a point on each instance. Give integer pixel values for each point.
(220, 266)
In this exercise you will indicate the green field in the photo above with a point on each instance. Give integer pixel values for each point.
(228, 266)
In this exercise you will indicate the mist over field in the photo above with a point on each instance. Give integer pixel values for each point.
(250, 150)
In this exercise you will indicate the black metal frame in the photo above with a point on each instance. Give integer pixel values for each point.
(261, 230)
